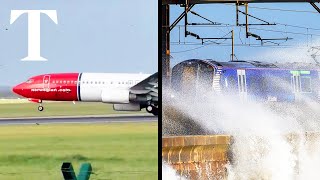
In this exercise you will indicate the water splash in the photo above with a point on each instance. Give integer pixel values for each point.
(168, 173)
(261, 149)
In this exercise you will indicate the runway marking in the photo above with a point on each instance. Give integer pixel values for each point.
(93, 122)
(78, 120)
(84, 116)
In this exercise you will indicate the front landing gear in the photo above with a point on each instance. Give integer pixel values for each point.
(40, 108)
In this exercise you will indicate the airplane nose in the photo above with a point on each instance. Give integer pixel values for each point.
(17, 89)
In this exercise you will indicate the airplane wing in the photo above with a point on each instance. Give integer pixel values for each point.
(148, 87)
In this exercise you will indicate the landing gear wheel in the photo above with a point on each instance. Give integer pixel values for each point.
(40, 108)
(149, 109)
(153, 110)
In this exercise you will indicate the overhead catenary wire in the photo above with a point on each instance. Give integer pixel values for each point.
(193, 48)
(262, 29)
(243, 45)
(275, 45)
(211, 42)
(301, 27)
(214, 43)
(289, 32)
(284, 10)
(276, 9)
(230, 25)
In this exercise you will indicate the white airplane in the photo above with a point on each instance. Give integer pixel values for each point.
(127, 92)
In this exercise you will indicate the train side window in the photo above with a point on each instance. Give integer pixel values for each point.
(64, 82)
(305, 84)
(60, 82)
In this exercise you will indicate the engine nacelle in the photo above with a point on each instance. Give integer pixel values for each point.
(127, 107)
(115, 96)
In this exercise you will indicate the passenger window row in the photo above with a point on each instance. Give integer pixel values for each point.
(64, 82)
(92, 82)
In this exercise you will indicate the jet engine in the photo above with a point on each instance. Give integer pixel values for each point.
(115, 96)
(127, 107)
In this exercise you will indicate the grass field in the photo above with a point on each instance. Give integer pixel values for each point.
(20, 109)
(116, 150)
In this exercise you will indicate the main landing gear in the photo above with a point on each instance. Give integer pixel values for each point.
(152, 109)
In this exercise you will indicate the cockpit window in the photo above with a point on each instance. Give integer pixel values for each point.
(29, 81)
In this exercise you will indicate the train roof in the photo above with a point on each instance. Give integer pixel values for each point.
(254, 64)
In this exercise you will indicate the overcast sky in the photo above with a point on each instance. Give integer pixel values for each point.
(91, 36)
(297, 49)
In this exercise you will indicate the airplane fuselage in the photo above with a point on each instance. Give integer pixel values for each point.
(75, 86)
(111, 88)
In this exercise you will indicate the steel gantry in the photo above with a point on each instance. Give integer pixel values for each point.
(188, 5)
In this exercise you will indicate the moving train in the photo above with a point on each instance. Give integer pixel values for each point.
(254, 80)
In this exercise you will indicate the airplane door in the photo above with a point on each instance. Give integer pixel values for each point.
(46, 82)
(242, 83)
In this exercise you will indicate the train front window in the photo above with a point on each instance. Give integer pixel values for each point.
(205, 76)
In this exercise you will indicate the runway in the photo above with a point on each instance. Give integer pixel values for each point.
(79, 119)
